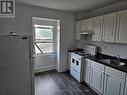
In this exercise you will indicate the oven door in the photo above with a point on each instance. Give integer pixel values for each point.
(76, 63)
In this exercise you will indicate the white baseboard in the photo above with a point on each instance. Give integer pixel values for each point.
(46, 68)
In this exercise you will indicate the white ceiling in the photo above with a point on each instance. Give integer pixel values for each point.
(68, 5)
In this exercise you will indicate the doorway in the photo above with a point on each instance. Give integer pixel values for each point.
(46, 43)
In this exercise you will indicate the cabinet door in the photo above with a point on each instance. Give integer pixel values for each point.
(77, 30)
(87, 71)
(113, 85)
(97, 28)
(86, 25)
(97, 79)
(122, 27)
(125, 93)
(109, 27)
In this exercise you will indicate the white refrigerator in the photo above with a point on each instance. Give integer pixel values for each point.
(16, 65)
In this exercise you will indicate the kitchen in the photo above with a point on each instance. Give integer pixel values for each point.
(94, 39)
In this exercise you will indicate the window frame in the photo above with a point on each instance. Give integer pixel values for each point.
(43, 27)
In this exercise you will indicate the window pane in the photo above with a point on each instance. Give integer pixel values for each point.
(37, 50)
(42, 33)
(45, 47)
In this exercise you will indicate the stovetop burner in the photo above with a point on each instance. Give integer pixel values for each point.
(88, 50)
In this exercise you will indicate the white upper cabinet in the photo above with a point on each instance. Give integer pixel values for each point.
(97, 28)
(121, 36)
(83, 26)
(77, 30)
(109, 27)
(86, 25)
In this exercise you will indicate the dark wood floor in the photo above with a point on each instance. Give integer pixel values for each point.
(54, 83)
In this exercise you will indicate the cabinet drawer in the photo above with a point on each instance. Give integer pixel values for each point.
(97, 65)
(115, 72)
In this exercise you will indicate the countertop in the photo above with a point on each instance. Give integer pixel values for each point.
(75, 50)
(101, 56)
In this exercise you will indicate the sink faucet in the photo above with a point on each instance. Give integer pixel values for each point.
(118, 57)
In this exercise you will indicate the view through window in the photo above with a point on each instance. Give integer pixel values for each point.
(43, 39)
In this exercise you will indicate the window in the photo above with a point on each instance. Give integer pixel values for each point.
(43, 39)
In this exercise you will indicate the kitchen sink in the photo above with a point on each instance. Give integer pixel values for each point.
(113, 62)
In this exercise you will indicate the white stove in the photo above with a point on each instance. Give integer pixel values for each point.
(78, 59)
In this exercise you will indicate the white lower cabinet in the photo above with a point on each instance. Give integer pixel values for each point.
(125, 93)
(114, 82)
(87, 71)
(105, 80)
(113, 85)
(97, 76)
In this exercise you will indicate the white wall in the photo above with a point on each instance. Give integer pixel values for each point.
(112, 49)
(22, 24)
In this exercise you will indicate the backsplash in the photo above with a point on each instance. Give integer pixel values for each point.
(107, 48)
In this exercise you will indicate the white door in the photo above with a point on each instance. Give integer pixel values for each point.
(97, 28)
(45, 34)
(97, 79)
(122, 27)
(109, 27)
(113, 85)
